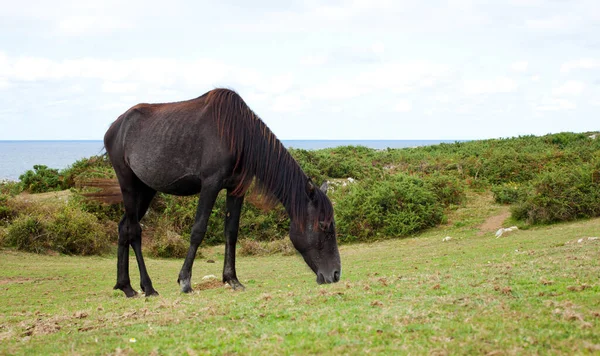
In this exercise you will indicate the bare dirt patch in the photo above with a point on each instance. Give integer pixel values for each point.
(493, 223)
(14, 280)
(209, 284)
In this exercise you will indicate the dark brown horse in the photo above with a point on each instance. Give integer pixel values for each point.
(202, 146)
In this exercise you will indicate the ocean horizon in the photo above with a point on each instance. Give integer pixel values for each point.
(17, 157)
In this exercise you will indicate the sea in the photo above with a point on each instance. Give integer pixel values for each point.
(16, 157)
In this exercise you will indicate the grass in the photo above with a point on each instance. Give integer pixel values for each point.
(533, 291)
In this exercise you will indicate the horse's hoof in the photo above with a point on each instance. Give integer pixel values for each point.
(151, 293)
(236, 285)
(129, 292)
(185, 286)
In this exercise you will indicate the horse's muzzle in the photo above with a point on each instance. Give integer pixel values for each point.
(326, 278)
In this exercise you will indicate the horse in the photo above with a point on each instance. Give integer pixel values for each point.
(200, 147)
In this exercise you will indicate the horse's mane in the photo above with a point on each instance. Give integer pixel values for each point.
(259, 154)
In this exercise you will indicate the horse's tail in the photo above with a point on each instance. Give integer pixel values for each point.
(107, 190)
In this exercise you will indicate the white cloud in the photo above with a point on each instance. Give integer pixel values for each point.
(89, 24)
(4, 84)
(119, 87)
(313, 61)
(334, 90)
(289, 103)
(556, 105)
(559, 22)
(520, 66)
(571, 87)
(583, 63)
(489, 86)
(403, 106)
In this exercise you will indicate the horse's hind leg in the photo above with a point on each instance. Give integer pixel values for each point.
(144, 199)
(232, 223)
(136, 199)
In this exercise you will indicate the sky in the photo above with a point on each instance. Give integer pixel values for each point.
(362, 69)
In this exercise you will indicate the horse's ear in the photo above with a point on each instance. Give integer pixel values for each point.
(310, 188)
(324, 187)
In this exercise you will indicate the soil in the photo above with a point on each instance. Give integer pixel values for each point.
(493, 223)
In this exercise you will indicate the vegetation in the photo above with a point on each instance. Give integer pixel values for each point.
(533, 292)
(455, 289)
(376, 193)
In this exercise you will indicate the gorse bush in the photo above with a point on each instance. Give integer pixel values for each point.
(7, 213)
(67, 230)
(561, 195)
(42, 179)
(509, 193)
(397, 205)
(449, 190)
(166, 243)
(397, 192)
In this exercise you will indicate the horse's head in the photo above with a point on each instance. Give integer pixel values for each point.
(315, 237)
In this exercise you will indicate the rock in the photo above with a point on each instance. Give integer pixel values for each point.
(210, 276)
(447, 238)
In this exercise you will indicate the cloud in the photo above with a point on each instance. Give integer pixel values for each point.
(571, 88)
(289, 103)
(403, 106)
(583, 63)
(520, 67)
(89, 24)
(119, 87)
(489, 86)
(556, 105)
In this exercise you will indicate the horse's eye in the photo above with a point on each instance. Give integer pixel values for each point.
(323, 226)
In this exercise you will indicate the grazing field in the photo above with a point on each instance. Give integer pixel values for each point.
(528, 292)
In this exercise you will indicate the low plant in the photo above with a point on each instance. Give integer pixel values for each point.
(561, 195)
(509, 193)
(42, 179)
(397, 205)
(67, 230)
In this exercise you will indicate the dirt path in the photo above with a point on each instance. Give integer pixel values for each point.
(493, 223)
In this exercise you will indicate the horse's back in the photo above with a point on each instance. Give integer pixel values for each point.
(171, 147)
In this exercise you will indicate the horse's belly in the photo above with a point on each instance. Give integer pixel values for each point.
(170, 179)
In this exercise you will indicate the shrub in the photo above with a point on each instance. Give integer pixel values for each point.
(167, 244)
(561, 195)
(7, 213)
(27, 233)
(397, 205)
(88, 168)
(509, 193)
(68, 231)
(104, 212)
(42, 179)
(250, 247)
(449, 190)
(10, 188)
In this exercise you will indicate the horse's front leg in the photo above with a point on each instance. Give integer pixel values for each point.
(208, 196)
(232, 222)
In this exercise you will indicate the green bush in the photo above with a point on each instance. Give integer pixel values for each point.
(88, 168)
(103, 211)
(7, 213)
(561, 195)
(28, 233)
(449, 190)
(67, 230)
(397, 205)
(508, 193)
(167, 244)
(10, 188)
(42, 179)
